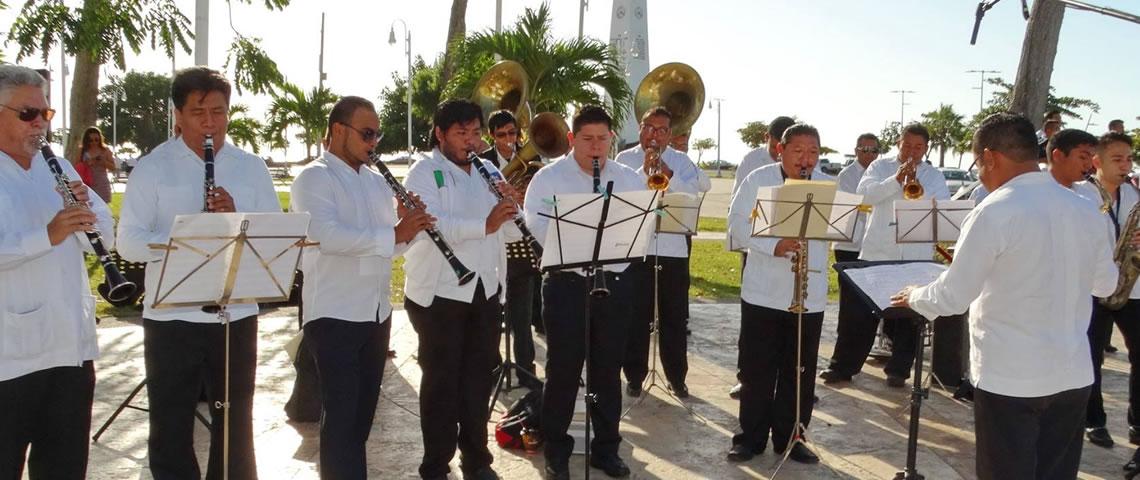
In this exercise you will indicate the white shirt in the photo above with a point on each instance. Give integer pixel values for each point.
(353, 216)
(880, 190)
(460, 201)
(687, 178)
(752, 160)
(768, 279)
(47, 313)
(1025, 268)
(848, 180)
(564, 176)
(170, 181)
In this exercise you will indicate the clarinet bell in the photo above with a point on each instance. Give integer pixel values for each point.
(119, 289)
(600, 290)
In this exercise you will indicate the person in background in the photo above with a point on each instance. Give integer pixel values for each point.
(98, 160)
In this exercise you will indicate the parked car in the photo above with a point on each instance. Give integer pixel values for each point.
(828, 167)
(956, 178)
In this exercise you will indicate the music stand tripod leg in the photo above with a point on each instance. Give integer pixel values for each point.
(917, 394)
(798, 428)
(224, 405)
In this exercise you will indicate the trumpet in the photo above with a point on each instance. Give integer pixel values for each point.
(912, 190)
(118, 287)
(520, 222)
(657, 179)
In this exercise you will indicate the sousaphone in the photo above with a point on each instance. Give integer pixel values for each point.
(677, 87)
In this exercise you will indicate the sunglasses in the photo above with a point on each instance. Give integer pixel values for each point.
(28, 114)
(867, 149)
(366, 134)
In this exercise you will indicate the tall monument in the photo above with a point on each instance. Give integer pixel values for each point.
(629, 35)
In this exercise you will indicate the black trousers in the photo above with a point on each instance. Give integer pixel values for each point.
(1128, 320)
(673, 304)
(564, 297)
(458, 353)
(181, 357)
(350, 362)
(49, 411)
(521, 287)
(902, 347)
(1038, 438)
(856, 329)
(767, 361)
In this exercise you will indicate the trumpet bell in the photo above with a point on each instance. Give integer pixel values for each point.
(677, 87)
(658, 181)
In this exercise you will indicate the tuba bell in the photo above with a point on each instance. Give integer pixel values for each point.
(677, 87)
(505, 86)
(546, 137)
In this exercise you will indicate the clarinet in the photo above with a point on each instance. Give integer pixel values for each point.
(520, 222)
(599, 290)
(208, 159)
(460, 270)
(119, 288)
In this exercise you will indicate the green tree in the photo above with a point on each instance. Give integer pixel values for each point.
(101, 31)
(754, 134)
(701, 145)
(562, 72)
(1068, 106)
(243, 130)
(393, 108)
(142, 109)
(294, 108)
(945, 127)
(826, 150)
(889, 136)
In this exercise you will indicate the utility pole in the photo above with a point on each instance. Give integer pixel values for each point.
(982, 86)
(718, 160)
(63, 87)
(498, 16)
(902, 106)
(202, 32)
(582, 4)
(321, 73)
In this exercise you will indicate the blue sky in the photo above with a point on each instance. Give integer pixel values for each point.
(830, 62)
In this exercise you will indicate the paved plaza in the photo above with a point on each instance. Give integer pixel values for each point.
(859, 429)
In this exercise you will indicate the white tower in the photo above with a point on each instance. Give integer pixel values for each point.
(629, 35)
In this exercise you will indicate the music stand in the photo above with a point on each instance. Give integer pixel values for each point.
(876, 282)
(803, 210)
(213, 260)
(589, 231)
(677, 213)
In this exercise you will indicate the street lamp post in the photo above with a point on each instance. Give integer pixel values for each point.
(408, 52)
(115, 116)
(718, 160)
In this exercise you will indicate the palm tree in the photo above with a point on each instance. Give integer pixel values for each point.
(243, 130)
(292, 107)
(562, 72)
(945, 126)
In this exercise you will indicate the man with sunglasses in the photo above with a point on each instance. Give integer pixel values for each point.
(856, 330)
(47, 313)
(458, 325)
(185, 346)
(347, 315)
(669, 254)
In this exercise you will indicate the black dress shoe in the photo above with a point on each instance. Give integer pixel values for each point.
(802, 454)
(680, 390)
(1110, 348)
(485, 473)
(743, 453)
(1134, 435)
(557, 473)
(831, 377)
(1099, 436)
(895, 381)
(633, 390)
(613, 465)
(735, 392)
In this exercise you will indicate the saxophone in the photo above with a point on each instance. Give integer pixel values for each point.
(1126, 257)
(800, 270)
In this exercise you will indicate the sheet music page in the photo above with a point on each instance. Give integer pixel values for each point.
(680, 213)
(844, 212)
(915, 220)
(880, 282)
(780, 210)
(570, 239)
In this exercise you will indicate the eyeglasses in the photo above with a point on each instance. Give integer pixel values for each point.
(366, 134)
(29, 114)
(867, 149)
(654, 130)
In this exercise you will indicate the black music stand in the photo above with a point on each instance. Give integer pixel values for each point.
(677, 213)
(588, 232)
(503, 382)
(886, 280)
(803, 210)
(213, 260)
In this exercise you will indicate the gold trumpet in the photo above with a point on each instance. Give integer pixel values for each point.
(912, 190)
(657, 178)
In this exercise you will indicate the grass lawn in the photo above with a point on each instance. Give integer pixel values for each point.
(715, 274)
(712, 224)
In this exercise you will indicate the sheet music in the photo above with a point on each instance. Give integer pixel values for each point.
(680, 213)
(915, 220)
(880, 282)
(570, 237)
(780, 209)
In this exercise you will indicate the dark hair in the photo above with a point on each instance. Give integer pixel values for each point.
(657, 111)
(867, 136)
(1050, 113)
(1066, 140)
(197, 79)
(1051, 122)
(1116, 122)
(343, 110)
(799, 129)
(1111, 138)
(777, 126)
(916, 129)
(1009, 133)
(83, 141)
(500, 119)
(451, 112)
(591, 114)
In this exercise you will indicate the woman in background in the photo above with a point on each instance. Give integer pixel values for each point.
(97, 160)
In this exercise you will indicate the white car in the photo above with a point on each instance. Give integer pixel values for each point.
(956, 178)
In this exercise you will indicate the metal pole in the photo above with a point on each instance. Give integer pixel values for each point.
(902, 106)
(115, 119)
(982, 86)
(498, 16)
(321, 73)
(408, 52)
(202, 32)
(581, 16)
(718, 159)
(63, 87)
